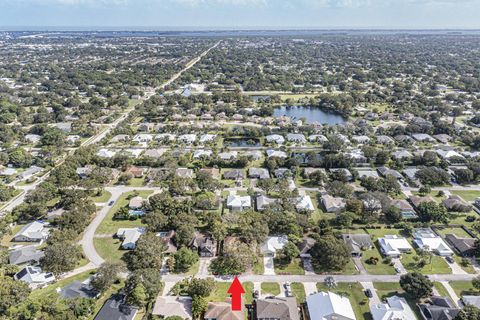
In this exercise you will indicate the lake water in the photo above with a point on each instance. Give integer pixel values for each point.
(310, 114)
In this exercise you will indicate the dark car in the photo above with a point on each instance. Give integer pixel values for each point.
(111, 203)
(368, 293)
(449, 259)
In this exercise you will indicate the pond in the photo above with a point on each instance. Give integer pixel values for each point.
(241, 142)
(310, 113)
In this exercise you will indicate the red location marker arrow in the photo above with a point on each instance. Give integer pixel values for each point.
(236, 290)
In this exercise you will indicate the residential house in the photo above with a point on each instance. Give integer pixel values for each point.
(105, 153)
(449, 154)
(275, 138)
(357, 155)
(264, 202)
(282, 308)
(166, 137)
(276, 154)
(328, 306)
(332, 204)
(296, 138)
(184, 173)
(213, 172)
(146, 127)
(357, 243)
(426, 239)
(438, 308)
(304, 203)
(222, 311)
(457, 204)
(25, 255)
(305, 246)
(308, 171)
(228, 156)
(236, 203)
(423, 137)
(33, 232)
(393, 245)
(385, 140)
(234, 174)
(416, 201)
(406, 209)
(115, 308)
(34, 277)
(394, 308)
(367, 173)
(253, 154)
(207, 138)
(64, 126)
(443, 138)
(154, 153)
(78, 289)
(120, 138)
(200, 153)
(130, 236)
(173, 306)
(83, 172)
(204, 245)
(136, 172)
(410, 173)
(465, 247)
(33, 138)
(317, 138)
(274, 243)
(8, 172)
(187, 138)
(384, 172)
(29, 173)
(168, 239)
(347, 172)
(402, 155)
(258, 173)
(135, 203)
(361, 139)
(471, 300)
(142, 137)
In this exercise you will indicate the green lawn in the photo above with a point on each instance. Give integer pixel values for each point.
(355, 294)
(379, 233)
(295, 267)
(221, 288)
(110, 226)
(258, 267)
(467, 195)
(441, 289)
(468, 268)
(462, 288)
(459, 232)
(298, 291)
(381, 267)
(388, 289)
(437, 266)
(109, 249)
(270, 288)
(6, 241)
(103, 197)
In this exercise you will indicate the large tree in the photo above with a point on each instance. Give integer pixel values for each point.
(148, 253)
(61, 257)
(416, 285)
(330, 254)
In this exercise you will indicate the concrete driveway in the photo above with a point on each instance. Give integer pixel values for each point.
(203, 266)
(268, 265)
(375, 299)
(310, 288)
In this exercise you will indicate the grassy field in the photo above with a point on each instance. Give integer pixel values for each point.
(354, 292)
(462, 288)
(270, 288)
(441, 289)
(459, 232)
(437, 266)
(381, 267)
(388, 289)
(467, 195)
(295, 267)
(298, 291)
(6, 241)
(109, 249)
(102, 197)
(110, 226)
(221, 288)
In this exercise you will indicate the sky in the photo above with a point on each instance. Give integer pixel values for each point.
(237, 14)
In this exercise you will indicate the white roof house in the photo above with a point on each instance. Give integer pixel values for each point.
(396, 308)
(27, 174)
(32, 232)
(187, 138)
(393, 245)
(130, 236)
(304, 203)
(165, 136)
(272, 245)
(425, 239)
(207, 138)
(276, 153)
(34, 276)
(317, 138)
(105, 153)
(230, 155)
(238, 203)
(200, 153)
(8, 172)
(278, 139)
(328, 306)
(142, 137)
(332, 204)
(33, 138)
(447, 154)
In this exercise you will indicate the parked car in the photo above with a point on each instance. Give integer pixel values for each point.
(111, 203)
(368, 293)
(398, 270)
(449, 259)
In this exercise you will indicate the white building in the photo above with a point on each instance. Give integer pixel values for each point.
(427, 240)
(130, 236)
(142, 137)
(34, 276)
(207, 138)
(200, 153)
(187, 138)
(238, 203)
(329, 306)
(276, 138)
(396, 308)
(393, 245)
(304, 203)
(32, 232)
(105, 153)
(270, 247)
